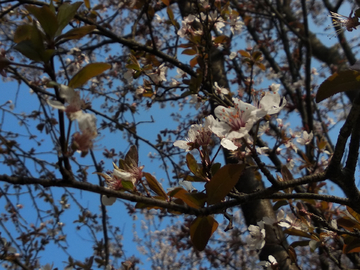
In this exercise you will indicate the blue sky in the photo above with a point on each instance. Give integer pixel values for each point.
(117, 212)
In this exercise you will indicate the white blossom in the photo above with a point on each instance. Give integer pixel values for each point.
(256, 238)
(221, 91)
(269, 263)
(198, 135)
(306, 138)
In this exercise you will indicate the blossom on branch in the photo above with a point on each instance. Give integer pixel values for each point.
(221, 91)
(122, 178)
(306, 138)
(349, 23)
(83, 141)
(270, 264)
(256, 238)
(236, 122)
(272, 103)
(72, 98)
(198, 135)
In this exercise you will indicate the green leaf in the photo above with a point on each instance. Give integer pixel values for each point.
(133, 66)
(23, 32)
(244, 53)
(256, 55)
(338, 82)
(223, 182)
(66, 14)
(170, 13)
(77, 33)
(201, 230)
(28, 49)
(155, 185)
(46, 18)
(127, 185)
(87, 72)
(192, 165)
(215, 167)
(221, 39)
(87, 4)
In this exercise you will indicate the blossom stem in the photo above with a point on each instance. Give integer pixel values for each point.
(146, 190)
(217, 152)
(67, 138)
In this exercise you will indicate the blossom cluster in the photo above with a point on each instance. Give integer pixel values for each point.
(232, 123)
(191, 25)
(124, 178)
(83, 140)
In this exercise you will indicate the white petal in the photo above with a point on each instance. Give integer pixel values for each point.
(182, 144)
(123, 175)
(226, 143)
(87, 121)
(67, 93)
(56, 104)
(107, 200)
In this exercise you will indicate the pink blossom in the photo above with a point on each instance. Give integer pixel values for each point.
(236, 122)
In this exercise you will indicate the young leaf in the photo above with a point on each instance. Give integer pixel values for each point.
(244, 53)
(87, 72)
(46, 18)
(223, 182)
(28, 49)
(23, 32)
(192, 165)
(338, 82)
(87, 4)
(132, 156)
(353, 213)
(201, 230)
(77, 33)
(221, 39)
(155, 185)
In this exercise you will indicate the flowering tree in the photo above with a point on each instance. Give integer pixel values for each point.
(250, 129)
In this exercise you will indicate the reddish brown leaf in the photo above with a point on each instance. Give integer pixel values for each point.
(223, 181)
(194, 61)
(338, 82)
(155, 185)
(354, 214)
(195, 200)
(201, 230)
